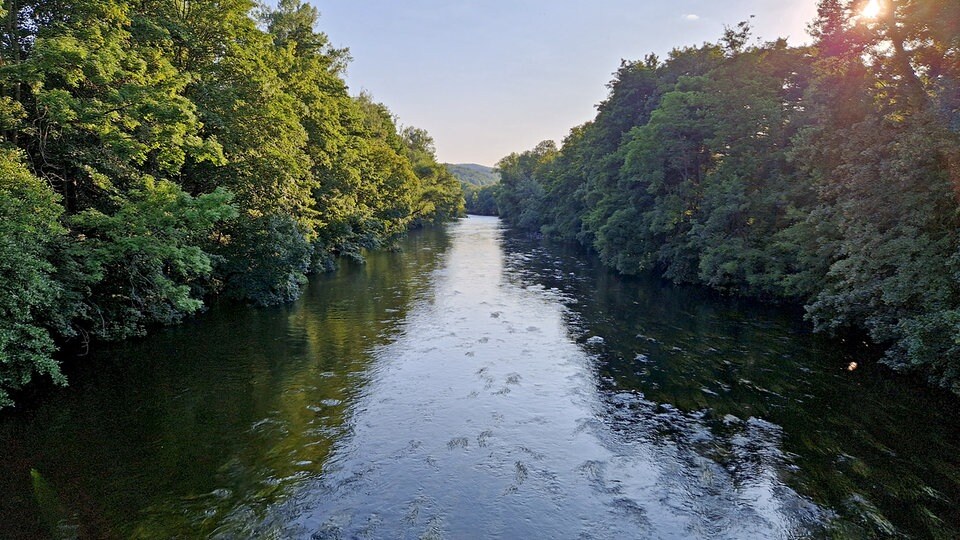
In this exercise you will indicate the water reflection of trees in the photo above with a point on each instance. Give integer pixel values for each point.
(749, 388)
(194, 430)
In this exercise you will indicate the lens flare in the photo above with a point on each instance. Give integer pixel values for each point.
(871, 10)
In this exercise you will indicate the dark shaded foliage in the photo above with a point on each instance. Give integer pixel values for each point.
(826, 175)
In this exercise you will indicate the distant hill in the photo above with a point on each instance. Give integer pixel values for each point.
(473, 174)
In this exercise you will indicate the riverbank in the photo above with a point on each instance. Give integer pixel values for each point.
(478, 382)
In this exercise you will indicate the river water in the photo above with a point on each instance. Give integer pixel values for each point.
(479, 384)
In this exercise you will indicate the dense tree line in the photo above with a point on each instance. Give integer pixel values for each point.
(481, 200)
(479, 185)
(827, 175)
(158, 152)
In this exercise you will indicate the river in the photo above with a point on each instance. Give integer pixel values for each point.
(481, 384)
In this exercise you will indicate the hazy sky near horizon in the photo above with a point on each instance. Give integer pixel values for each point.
(490, 77)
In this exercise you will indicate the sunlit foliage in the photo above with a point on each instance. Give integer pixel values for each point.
(825, 175)
(157, 152)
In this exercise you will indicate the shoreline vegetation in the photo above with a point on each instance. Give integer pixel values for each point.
(156, 154)
(826, 176)
(480, 185)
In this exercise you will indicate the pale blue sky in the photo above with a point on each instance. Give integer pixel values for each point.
(491, 77)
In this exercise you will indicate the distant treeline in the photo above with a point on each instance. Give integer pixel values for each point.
(482, 200)
(479, 187)
(158, 152)
(826, 175)
(472, 174)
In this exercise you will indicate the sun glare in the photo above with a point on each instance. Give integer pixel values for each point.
(871, 10)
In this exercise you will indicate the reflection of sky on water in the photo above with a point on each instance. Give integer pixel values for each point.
(484, 418)
(483, 384)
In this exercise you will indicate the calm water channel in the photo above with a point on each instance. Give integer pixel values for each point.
(478, 384)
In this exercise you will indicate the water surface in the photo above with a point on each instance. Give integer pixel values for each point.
(479, 384)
